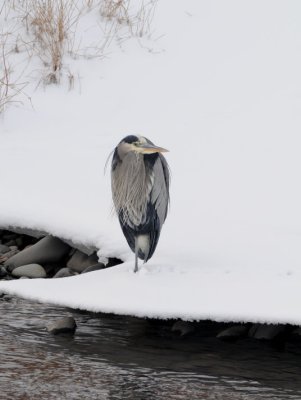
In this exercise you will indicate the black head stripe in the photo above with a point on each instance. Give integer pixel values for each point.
(130, 139)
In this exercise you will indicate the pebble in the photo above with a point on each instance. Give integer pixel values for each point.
(79, 261)
(64, 273)
(233, 332)
(4, 249)
(6, 256)
(297, 331)
(6, 297)
(184, 328)
(9, 236)
(47, 250)
(51, 269)
(62, 325)
(94, 267)
(266, 331)
(19, 241)
(29, 271)
(3, 272)
(11, 243)
(113, 261)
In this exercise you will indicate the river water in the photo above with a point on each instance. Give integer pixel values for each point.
(119, 358)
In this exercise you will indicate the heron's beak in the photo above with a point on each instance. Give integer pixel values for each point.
(146, 148)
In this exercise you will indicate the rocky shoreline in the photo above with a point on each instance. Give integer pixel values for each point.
(23, 256)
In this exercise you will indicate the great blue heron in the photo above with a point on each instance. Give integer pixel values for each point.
(140, 188)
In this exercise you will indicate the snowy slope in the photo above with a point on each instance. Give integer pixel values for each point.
(221, 89)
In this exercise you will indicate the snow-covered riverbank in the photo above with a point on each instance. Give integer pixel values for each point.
(221, 91)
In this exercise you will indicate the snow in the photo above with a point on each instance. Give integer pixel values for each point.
(219, 85)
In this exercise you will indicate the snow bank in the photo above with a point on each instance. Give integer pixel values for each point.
(221, 90)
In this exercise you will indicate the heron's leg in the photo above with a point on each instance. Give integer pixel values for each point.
(136, 254)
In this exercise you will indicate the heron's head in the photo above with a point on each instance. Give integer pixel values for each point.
(137, 144)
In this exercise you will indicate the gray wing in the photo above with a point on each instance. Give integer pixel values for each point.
(160, 190)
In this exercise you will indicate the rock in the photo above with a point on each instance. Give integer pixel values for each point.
(47, 250)
(80, 261)
(233, 332)
(94, 267)
(62, 325)
(113, 261)
(24, 277)
(29, 271)
(9, 236)
(83, 248)
(297, 331)
(184, 328)
(19, 241)
(266, 331)
(64, 273)
(11, 243)
(51, 269)
(6, 256)
(6, 297)
(4, 249)
(13, 247)
(3, 272)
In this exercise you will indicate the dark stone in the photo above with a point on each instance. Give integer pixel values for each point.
(62, 325)
(11, 243)
(94, 267)
(47, 250)
(4, 249)
(19, 241)
(233, 332)
(51, 269)
(113, 261)
(9, 236)
(184, 328)
(266, 331)
(64, 273)
(297, 331)
(6, 297)
(3, 272)
(79, 261)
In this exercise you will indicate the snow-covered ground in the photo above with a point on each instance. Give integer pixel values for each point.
(219, 85)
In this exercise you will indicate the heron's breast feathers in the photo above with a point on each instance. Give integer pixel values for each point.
(132, 184)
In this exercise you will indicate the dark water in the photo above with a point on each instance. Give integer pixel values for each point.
(120, 358)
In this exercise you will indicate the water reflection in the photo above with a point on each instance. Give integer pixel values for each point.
(127, 358)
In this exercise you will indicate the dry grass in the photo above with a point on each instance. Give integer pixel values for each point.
(51, 27)
(137, 17)
(51, 23)
(5, 84)
(11, 86)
